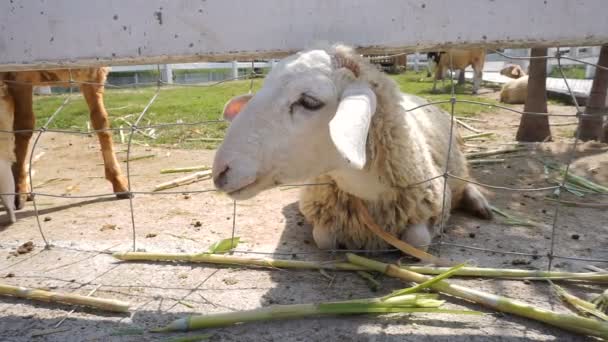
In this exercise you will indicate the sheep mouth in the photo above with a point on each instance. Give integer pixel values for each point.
(251, 189)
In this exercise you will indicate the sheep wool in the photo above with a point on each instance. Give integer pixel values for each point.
(407, 147)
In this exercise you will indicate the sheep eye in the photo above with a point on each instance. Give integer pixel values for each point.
(310, 102)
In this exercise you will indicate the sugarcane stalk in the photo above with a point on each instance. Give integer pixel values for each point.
(146, 156)
(55, 297)
(568, 322)
(579, 304)
(479, 135)
(416, 303)
(485, 161)
(465, 118)
(345, 266)
(579, 204)
(193, 178)
(493, 152)
(237, 261)
(186, 169)
(395, 242)
(507, 273)
(467, 126)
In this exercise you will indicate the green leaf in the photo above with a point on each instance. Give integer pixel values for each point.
(224, 245)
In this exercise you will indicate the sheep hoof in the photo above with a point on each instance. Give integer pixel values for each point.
(418, 235)
(323, 238)
(20, 201)
(475, 203)
(124, 195)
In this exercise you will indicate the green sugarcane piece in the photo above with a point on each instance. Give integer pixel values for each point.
(601, 301)
(236, 261)
(185, 169)
(399, 304)
(510, 273)
(64, 298)
(579, 304)
(444, 275)
(568, 322)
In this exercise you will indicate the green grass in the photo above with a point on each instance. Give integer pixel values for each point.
(572, 71)
(419, 84)
(194, 104)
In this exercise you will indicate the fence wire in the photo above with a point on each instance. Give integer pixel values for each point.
(135, 127)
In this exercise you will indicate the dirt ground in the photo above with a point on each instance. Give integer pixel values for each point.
(83, 231)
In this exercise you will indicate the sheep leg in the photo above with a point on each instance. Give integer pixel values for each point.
(418, 235)
(7, 187)
(461, 79)
(474, 202)
(476, 80)
(99, 118)
(324, 239)
(24, 120)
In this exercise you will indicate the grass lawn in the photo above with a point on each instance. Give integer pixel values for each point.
(193, 104)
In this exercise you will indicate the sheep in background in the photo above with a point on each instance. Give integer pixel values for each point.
(7, 152)
(516, 90)
(328, 116)
(458, 59)
(20, 84)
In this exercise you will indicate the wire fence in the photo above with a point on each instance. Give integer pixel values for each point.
(135, 127)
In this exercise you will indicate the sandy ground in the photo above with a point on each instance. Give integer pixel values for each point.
(84, 231)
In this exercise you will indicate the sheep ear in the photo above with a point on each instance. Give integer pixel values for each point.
(349, 127)
(515, 72)
(235, 105)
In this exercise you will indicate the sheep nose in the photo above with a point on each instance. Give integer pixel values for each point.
(220, 176)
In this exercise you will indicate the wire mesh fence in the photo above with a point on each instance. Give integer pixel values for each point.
(136, 127)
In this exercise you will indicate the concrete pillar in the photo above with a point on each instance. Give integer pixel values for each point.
(416, 62)
(42, 90)
(589, 71)
(235, 69)
(167, 73)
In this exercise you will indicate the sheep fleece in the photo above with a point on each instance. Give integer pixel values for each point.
(404, 148)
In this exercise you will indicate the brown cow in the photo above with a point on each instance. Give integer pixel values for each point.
(20, 86)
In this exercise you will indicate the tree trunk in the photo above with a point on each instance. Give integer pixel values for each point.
(591, 126)
(536, 127)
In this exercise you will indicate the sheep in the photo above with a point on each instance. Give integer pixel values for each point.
(458, 59)
(7, 154)
(329, 117)
(20, 86)
(516, 90)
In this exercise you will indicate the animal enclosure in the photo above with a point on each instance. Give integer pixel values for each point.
(73, 211)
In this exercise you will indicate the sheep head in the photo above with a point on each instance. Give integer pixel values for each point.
(311, 116)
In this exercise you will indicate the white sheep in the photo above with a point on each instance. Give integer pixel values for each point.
(330, 117)
(7, 152)
(516, 90)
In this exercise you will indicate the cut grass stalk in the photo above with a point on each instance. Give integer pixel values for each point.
(186, 169)
(146, 156)
(579, 204)
(467, 126)
(237, 261)
(412, 303)
(465, 118)
(373, 284)
(578, 180)
(601, 302)
(403, 246)
(224, 245)
(493, 152)
(582, 306)
(485, 161)
(478, 135)
(515, 221)
(55, 297)
(568, 322)
(506, 273)
(193, 178)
